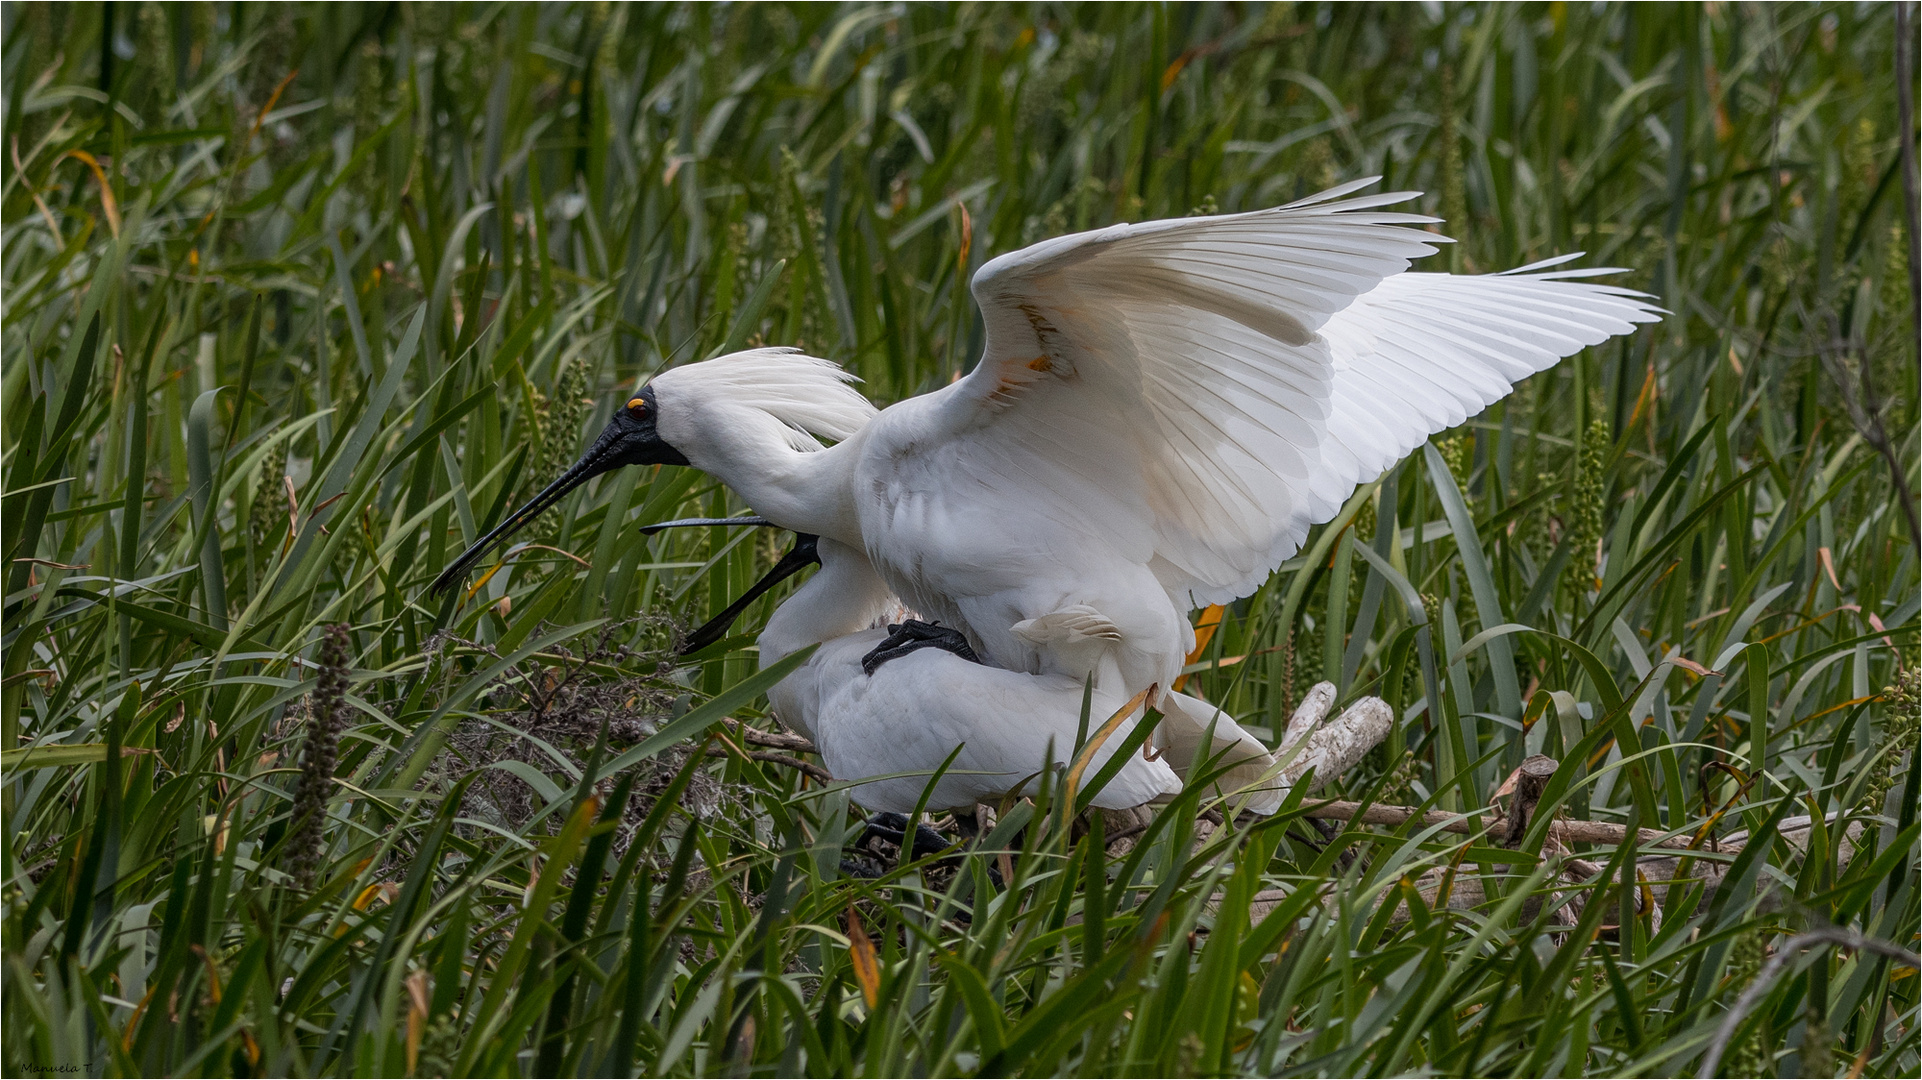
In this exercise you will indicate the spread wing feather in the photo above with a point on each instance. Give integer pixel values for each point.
(1196, 393)
(1422, 353)
(1166, 382)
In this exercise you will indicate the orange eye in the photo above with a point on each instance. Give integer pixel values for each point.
(637, 407)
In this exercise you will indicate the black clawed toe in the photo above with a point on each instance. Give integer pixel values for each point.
(893, 828)
(860, 866)
(904, 638)
(861, 860)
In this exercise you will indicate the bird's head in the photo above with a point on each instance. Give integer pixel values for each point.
(632, 437)
(715, 415)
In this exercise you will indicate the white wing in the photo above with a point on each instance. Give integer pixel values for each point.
(1421, 353)
(1163, 387)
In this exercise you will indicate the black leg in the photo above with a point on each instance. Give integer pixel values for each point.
(967, 823)
(904, 638)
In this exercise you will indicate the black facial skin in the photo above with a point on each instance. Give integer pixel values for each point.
(629, 439)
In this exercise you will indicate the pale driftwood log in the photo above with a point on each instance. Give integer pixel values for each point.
(1313, 708)
(1333, 748)
(1329, 749)
(1565, 832)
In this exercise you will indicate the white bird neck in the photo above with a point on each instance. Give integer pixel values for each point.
(806, 491)
(844, 596)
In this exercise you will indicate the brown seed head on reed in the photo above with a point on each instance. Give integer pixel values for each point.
(326, 719)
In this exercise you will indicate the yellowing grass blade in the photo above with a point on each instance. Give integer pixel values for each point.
(867, 966)
(1094, 741)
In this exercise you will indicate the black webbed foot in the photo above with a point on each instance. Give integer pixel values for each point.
(904, 638)
(893, 828)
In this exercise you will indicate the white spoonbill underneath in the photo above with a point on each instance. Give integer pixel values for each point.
(899, 720)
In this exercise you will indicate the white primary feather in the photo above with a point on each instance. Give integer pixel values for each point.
(1421, 353)
(1214, 386)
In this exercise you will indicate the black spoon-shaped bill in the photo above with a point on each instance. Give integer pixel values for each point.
(802, 555)
(629, 439)
(682, 523)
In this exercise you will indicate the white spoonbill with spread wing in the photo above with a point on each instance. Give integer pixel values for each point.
(1161, 413)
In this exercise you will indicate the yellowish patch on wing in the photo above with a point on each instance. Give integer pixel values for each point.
(1014, 377)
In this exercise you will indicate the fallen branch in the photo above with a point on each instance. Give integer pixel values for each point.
(1566, 832)
(775, 739)
(783, 760)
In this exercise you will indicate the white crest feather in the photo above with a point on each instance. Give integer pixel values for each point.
(809, 396)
